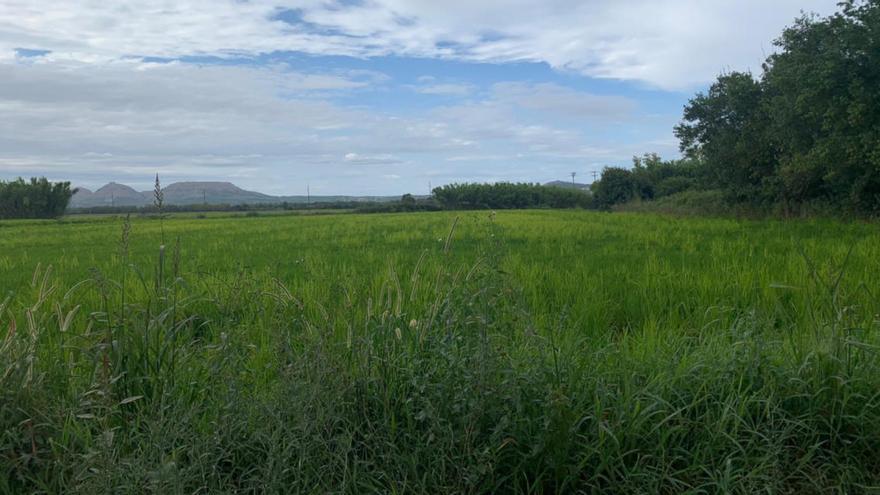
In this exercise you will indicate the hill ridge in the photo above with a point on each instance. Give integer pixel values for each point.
(196, 192)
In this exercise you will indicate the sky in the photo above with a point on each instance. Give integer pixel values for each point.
(360, 96)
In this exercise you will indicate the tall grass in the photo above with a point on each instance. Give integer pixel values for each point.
(462, 365)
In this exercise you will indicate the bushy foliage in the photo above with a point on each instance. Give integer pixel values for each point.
(617, 186)
(37, 198)
(650, 178)
(804, 133)
(726, 130)
(507, 195)
(709, 202)
(823, 93)
(809, 129)
(407, 203)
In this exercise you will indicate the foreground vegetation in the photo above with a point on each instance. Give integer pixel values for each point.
(532, 351)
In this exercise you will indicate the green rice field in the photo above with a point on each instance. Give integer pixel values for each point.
(454, 352)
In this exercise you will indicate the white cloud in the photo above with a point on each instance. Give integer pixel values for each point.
(380, 159)
(562, 101)
(533, 116)
(665, 43)
(126, 107)
(268, 128)
(93, 109)
(272, 128)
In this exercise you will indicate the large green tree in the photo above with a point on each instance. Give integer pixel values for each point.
(726, 130)
(822, 89)
(808, 131)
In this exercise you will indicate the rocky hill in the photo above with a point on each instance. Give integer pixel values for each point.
(112, 194)
(193, 193)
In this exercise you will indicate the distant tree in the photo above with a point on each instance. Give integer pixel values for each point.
(645, 174)
(37, 198)
(506, 195)
(616, 186)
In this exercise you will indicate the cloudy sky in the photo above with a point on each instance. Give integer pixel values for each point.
(359, 96)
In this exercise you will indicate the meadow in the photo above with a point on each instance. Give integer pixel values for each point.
(451, 352)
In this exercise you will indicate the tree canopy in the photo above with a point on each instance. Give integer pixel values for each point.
(37, 198)
(806, 132)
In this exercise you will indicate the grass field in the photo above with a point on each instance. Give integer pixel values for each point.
(531, 351)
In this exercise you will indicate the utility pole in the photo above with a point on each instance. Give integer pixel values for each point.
(594, 175)
(430, 189)
(572, 177)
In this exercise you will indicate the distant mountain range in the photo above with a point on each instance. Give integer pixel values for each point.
(190, 193)
(215, 193)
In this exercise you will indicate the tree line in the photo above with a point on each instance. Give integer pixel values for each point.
(805, 134)
(37, 198)
(153, 209)
(507, 195)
